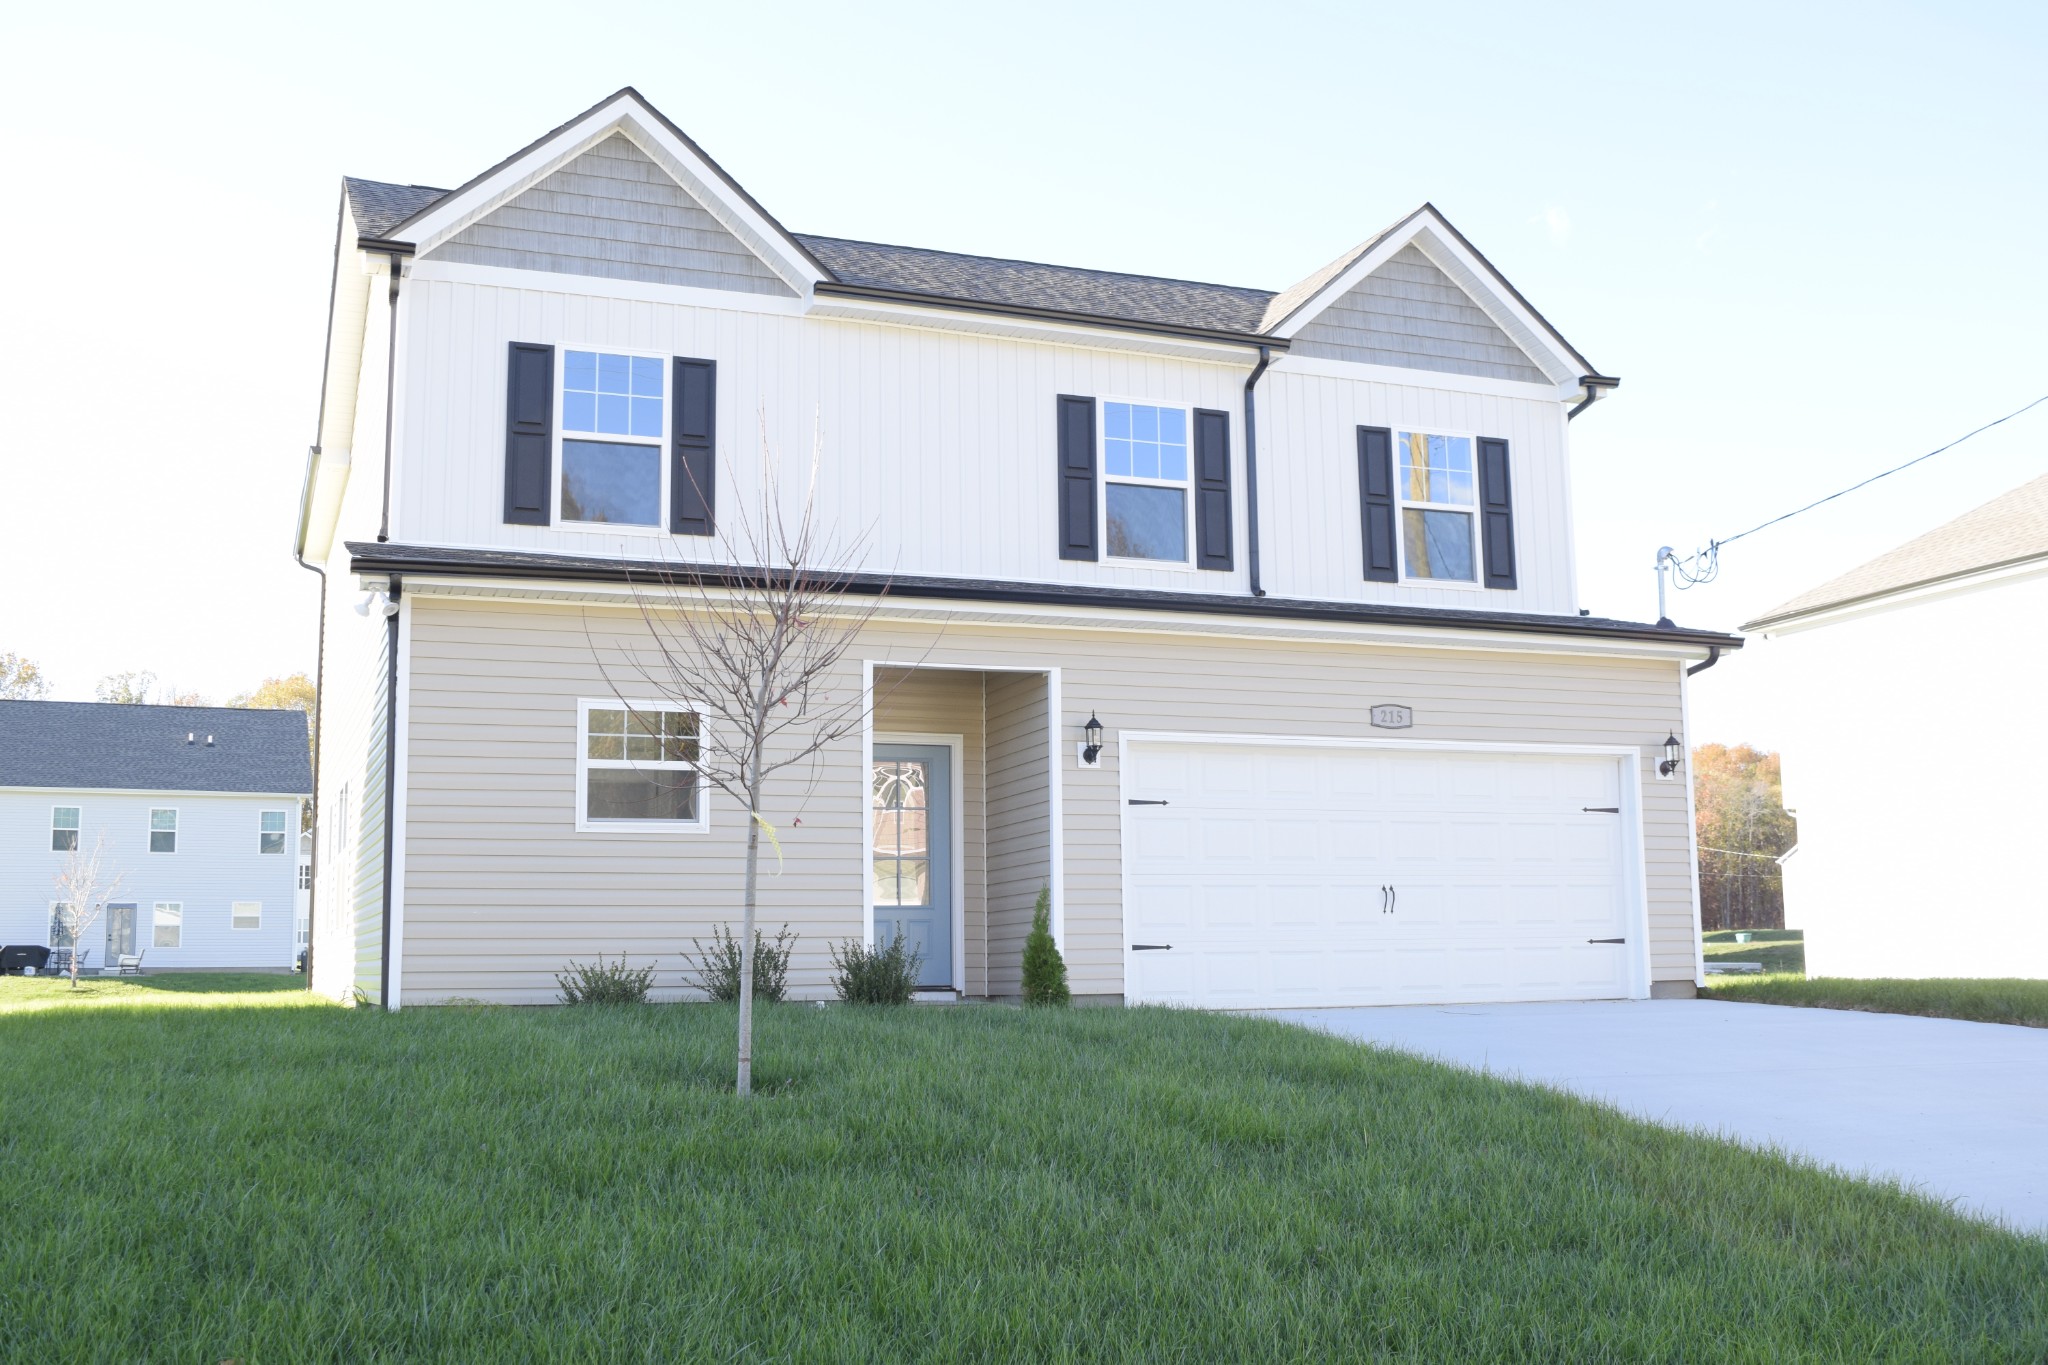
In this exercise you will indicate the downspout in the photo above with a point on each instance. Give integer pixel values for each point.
(319, 700)
(391, 597)
(390, 394)
(1713, 657)
(1592, 384)
(1251, 469)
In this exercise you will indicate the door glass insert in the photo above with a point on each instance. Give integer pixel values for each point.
(901, 834)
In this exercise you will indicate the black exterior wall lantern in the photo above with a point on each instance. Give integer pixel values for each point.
(1092, 750)
(1673, 752)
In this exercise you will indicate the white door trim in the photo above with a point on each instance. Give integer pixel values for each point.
(1627, 758)
(957, 745)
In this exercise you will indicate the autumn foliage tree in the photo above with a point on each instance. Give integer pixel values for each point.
(1743, 828)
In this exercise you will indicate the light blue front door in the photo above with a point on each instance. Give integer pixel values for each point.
(910, 801)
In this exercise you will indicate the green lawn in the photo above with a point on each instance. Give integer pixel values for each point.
(1990, 1000)
(269, 1179)
(1779, 950)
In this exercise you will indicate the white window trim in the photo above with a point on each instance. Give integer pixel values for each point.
(286, 832)
(156, 906)
(660, 446)
(1105, 478)
(150, 831)
(234, 908)
(77, 831)
(1402, 503)
(584, 824)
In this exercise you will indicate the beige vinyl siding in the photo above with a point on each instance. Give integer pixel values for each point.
(501, 890)
(614, 213)
(1409, 313)
(370, 827)
(947, 702)
(1019, 821)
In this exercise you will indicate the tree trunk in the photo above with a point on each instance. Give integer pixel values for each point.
(746, 1075)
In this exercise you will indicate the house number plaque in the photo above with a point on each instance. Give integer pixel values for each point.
(1393, 717)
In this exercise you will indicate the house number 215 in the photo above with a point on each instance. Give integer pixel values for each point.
(1393, 717)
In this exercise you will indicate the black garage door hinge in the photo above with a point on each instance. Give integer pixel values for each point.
(1134, 801)
(1606, 940)
(1602, 810)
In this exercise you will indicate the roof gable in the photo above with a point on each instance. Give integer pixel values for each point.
(84, 745)
(1409, 313)
(2010, 529)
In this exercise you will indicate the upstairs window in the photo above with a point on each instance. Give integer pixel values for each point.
(305, 876)
(614, 423)
(64, 829)
(1438, 503)
(1145, 482)
(637, 767)
(163, 831)
(271, 831)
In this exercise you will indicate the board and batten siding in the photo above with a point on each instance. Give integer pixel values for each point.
(935, 701)
(613, 213)
(501, 890)
(1410, 314)
(939, 448)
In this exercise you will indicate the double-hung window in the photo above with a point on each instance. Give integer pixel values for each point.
(614, 429)
(64, 829)
(163, 831)
(169, 923)
(1145, 500)
(636, 767)
(245, 915)
(1433, 475)
(270, 836)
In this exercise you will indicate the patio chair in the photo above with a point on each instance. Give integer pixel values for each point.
(127, 964)
(60, 961)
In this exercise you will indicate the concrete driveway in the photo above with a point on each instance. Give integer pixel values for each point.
(1956, 1110)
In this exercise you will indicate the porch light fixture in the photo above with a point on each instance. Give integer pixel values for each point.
(1093, 749)
(1673, 752)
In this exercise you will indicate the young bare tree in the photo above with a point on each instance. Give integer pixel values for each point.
(84, 887)
(752, 648)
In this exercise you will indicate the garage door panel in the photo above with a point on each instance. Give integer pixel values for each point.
(1268, 874)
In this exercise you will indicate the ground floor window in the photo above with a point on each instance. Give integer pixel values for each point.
(637, 767)
(246, 915)
(169, 920)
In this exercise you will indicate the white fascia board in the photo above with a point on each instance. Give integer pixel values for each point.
(600, 287)
(622, 114)
(1997, 576)
(329, 474)
(1435, 239)
(1290, 363)
(1037, 617)
(964, 319)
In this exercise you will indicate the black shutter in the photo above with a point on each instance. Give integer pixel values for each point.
(1212, 489)
(693, 472)
(1496, 513)
(529, 433)
(1077, 477)
(1376, 504)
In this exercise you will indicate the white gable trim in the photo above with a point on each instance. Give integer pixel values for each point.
(627, 114)
(1434, 237)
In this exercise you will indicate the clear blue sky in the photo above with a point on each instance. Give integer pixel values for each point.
(1808, 238)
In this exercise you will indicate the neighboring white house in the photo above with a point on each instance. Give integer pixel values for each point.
(1306, 553)
(1915, 738)
(303, 906)
(195, 808)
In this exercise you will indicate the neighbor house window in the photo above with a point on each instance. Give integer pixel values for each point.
(636, 767)
(614, 421)
(1434, 476)
(64, 829)
(170, 924)
(305, 876)
(246, 915)
(163, 831)
(1145, 481)
(60, 926)
(270, 837)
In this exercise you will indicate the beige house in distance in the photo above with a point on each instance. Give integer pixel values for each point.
(1306, 555)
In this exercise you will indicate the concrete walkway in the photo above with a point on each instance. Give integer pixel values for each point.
(1956, 1110)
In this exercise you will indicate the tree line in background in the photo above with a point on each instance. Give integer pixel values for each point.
(1743, 828)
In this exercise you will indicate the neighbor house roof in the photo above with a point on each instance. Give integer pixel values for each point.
(74, 744)
(2010, 529)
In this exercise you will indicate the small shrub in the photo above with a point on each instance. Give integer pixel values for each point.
(718, 967)
(876, 976)
(605, 983)
(1045, 971)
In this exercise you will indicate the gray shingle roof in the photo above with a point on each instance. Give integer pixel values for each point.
(85, 744)
(379, 207)
(2011, 528)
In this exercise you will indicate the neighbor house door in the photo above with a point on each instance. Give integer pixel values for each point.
(120, 931)
(910, 795)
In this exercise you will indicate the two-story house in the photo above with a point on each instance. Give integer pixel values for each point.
(193, 811)
(1306, 556)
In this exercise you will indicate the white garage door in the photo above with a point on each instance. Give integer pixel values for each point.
(1268, 876)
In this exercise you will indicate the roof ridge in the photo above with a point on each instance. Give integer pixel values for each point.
(1042, 265)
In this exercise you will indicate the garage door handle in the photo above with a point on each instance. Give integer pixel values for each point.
(1150, 947)
(1601, 810)
(1606, 940)
(1135, 802)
